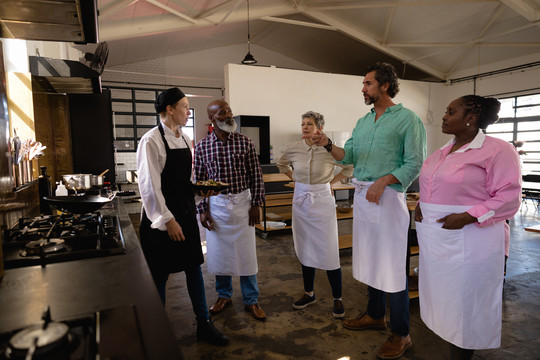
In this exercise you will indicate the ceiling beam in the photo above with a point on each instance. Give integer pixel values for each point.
(211, 11)
(355, 34)
(172, 11)
(131, 28)
(233, 8)
(114, 7)
(388, 24)
(476, 41)
(389, 4)
(299, 23)
(468, 48)
(523, 8)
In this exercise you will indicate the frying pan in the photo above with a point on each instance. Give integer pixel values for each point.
(78, 204)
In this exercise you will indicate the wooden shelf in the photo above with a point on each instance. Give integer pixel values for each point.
(344, 215)
(279, 196)
(261, 227)
(278, 202)
(413, 285)
(345, 241)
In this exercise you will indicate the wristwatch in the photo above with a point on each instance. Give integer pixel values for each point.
(328, 146)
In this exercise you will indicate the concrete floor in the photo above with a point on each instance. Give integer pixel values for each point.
(312, 333)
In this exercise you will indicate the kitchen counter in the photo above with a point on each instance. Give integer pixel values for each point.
(78, 288)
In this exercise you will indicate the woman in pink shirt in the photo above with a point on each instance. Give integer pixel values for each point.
(468, 188)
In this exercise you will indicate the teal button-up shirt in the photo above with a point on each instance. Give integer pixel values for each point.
(394, 144)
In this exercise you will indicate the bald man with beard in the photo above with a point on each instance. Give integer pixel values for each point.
(230, 217)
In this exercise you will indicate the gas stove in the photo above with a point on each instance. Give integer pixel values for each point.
(47, 239)
(109, 334)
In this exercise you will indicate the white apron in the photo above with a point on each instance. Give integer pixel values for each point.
(460, 279)
(231, 245)
(314, 225)
(380, 239)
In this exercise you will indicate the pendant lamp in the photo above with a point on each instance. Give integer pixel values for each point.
(249, 59)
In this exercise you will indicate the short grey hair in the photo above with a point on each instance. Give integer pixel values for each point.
(319, 118)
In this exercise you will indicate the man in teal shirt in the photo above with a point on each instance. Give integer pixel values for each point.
(387, 148)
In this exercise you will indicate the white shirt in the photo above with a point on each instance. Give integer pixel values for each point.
(151, 158)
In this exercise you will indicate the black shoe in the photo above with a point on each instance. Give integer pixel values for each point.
(206, 331)
(304, 301)
(339, 310)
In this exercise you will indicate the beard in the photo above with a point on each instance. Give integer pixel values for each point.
(370, 100)
(224, 126)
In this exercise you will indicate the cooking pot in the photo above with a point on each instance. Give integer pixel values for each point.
(96, 180)
(78, 204)
(78, 181)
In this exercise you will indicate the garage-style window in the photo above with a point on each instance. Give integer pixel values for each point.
(519, 124)
(134, 114)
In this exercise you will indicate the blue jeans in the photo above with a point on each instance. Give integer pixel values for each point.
(399, 308)
(248, 285)
(195, 286)
(334, 277)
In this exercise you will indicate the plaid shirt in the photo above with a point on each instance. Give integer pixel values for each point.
(233, 162)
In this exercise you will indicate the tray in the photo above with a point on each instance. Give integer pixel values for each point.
(210, 187)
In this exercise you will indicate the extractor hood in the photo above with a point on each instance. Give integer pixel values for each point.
(64, 76)
(49, 20)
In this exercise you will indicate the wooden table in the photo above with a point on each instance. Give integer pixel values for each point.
(275, 178)
(535, 228)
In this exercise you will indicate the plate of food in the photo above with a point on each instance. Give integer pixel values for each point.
(207, 185)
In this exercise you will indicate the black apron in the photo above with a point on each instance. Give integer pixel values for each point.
(164, 255)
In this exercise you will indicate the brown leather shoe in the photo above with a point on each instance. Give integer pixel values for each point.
(219, 305)
(364, 322)
(256, 311)
(394, 347)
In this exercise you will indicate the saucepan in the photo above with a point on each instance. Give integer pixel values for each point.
(97, 180)
(78, 204)
(77, 181)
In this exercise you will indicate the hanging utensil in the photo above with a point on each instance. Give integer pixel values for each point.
(16, 147)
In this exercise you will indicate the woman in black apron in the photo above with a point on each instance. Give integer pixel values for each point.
(163, 254)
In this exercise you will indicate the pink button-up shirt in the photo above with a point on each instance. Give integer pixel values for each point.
(484, 174)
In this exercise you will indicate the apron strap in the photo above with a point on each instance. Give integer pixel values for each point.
(162, 132)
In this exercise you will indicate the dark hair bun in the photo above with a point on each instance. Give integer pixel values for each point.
(486, 109)
(491, 110)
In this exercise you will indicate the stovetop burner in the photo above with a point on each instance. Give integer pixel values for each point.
(57, 238)
(43, 246)
(107, 334)
(72, 339)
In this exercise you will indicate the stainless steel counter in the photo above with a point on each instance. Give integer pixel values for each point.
(81, 287)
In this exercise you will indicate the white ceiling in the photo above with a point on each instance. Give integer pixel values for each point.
(424, 39)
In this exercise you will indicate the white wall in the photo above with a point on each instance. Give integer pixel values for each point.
(285, 95)
(517, 82)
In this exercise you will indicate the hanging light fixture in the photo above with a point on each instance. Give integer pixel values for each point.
(249, 59)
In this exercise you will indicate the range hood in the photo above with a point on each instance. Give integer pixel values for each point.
(64, 76)
(49, 20)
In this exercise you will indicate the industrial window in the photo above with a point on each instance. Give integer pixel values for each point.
(134, 115)
(520, 123)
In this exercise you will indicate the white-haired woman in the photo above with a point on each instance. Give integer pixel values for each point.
(314, 221)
